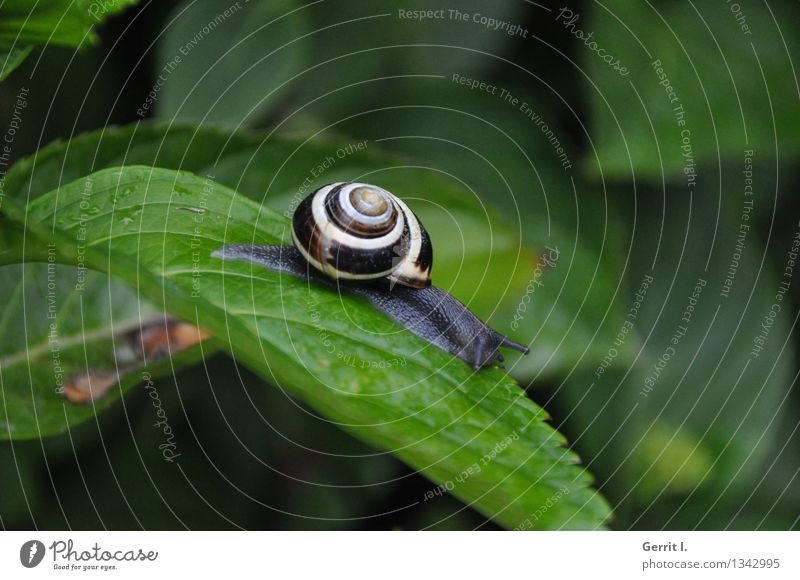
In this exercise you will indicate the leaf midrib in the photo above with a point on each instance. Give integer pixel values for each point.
(71, 340)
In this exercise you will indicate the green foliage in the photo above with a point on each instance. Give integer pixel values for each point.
(63, 22)
(439, 417)
(71, 23)
(499, 152)
(698, 413)
(226, 63)
(720, 388)
(707, 440)
(729, 77)
(58, 323)
(271, 169)
(360, 46)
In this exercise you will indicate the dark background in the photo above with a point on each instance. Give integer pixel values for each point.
(719, 453)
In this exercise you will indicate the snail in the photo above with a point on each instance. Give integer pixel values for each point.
(361, 238)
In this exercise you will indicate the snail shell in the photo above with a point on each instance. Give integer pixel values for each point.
(355, 233)
(358, 231)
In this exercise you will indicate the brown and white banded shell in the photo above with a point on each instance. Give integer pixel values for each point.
(358, 231)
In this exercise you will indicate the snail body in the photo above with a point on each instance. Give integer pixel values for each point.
(361, 238)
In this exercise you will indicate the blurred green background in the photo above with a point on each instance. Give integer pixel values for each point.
(648, 142)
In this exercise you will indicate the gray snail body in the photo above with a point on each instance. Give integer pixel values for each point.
(364, 240)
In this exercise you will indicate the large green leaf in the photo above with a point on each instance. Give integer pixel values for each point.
(248, 162)
(63, 22)
(728, 66)
(226, 63)
(474, 247)
(60, 323)
(115, 310)
(475, 433)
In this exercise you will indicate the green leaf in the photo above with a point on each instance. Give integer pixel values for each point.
(246, 161)
(121, 309)
(12, 244)
(11, 59)
(64, 22)
(725, 64)
(60, 323)
(227, 63)
(475, 433)
(474, 246)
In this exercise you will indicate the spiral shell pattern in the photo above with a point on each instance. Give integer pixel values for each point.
(358, 231)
